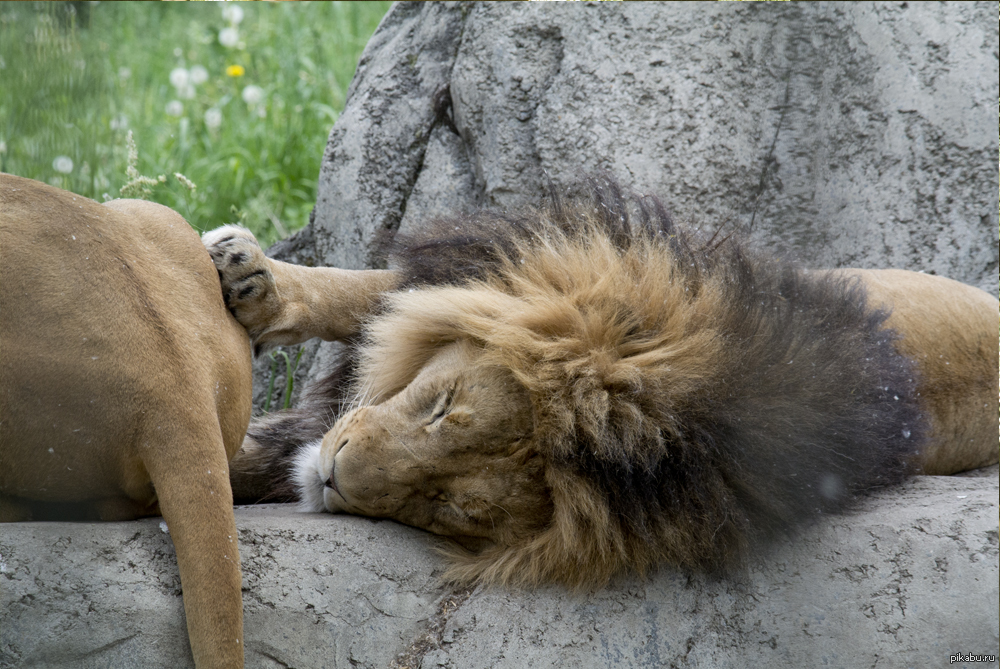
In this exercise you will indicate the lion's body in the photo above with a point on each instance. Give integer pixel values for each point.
(586, 389)
(124, 385)
(947, 328)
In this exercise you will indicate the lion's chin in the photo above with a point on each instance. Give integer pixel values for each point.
(310, 482)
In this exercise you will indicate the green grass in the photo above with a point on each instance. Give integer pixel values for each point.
(73, 88)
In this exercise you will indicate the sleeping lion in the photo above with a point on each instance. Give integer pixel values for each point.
(585, 389)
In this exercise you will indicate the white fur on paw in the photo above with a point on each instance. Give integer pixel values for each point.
(212, 237)
(309, 478)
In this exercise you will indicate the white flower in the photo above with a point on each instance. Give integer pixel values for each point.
(213, 118)
(199, 75)
(229, 37)
(232, 13)
(175, 108)
(185, 92)
(63, 164)
(178, 52)
(253, 94)
(179, 77)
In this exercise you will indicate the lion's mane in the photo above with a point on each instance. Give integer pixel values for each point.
(692, 397)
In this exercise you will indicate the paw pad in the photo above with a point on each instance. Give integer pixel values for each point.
(246, 278)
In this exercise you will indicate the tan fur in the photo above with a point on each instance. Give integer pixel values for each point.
(472, 397)
(124, 384)
(951, 330)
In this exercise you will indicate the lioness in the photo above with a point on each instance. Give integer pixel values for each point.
(125, 386)
(585, 389)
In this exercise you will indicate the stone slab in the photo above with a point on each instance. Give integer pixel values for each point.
(906, 581)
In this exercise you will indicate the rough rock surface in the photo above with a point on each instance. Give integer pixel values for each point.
(844, 134)
(907, 581)
(860, 134)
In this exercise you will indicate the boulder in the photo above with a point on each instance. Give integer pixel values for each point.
(908, 580)
(844, 135)
(839, 134)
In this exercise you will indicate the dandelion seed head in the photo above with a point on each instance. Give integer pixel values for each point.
(229, 37)
(213, 118)
(179, 77)
(232, 13)
(63, 164)
(175, 108)
(253, 94)
(199, 75)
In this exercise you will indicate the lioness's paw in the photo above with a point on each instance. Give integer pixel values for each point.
(248, 286)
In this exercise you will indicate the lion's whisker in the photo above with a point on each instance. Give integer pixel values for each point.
(502, 509)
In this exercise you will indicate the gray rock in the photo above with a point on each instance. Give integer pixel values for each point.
(841, 134)
(907, 581)
(317, 592)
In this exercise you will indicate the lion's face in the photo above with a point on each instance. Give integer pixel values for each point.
(449, 453)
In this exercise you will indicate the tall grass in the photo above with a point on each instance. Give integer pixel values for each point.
(241, 102)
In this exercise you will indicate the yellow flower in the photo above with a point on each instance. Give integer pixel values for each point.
(235, 71)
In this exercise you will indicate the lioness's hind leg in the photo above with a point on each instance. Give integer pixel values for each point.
(248, 285)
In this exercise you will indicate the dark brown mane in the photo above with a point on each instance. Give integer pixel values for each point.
(457, 249)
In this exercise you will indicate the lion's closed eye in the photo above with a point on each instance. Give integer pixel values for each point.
(441, 407)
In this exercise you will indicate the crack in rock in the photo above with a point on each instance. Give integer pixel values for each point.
(432, 637)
